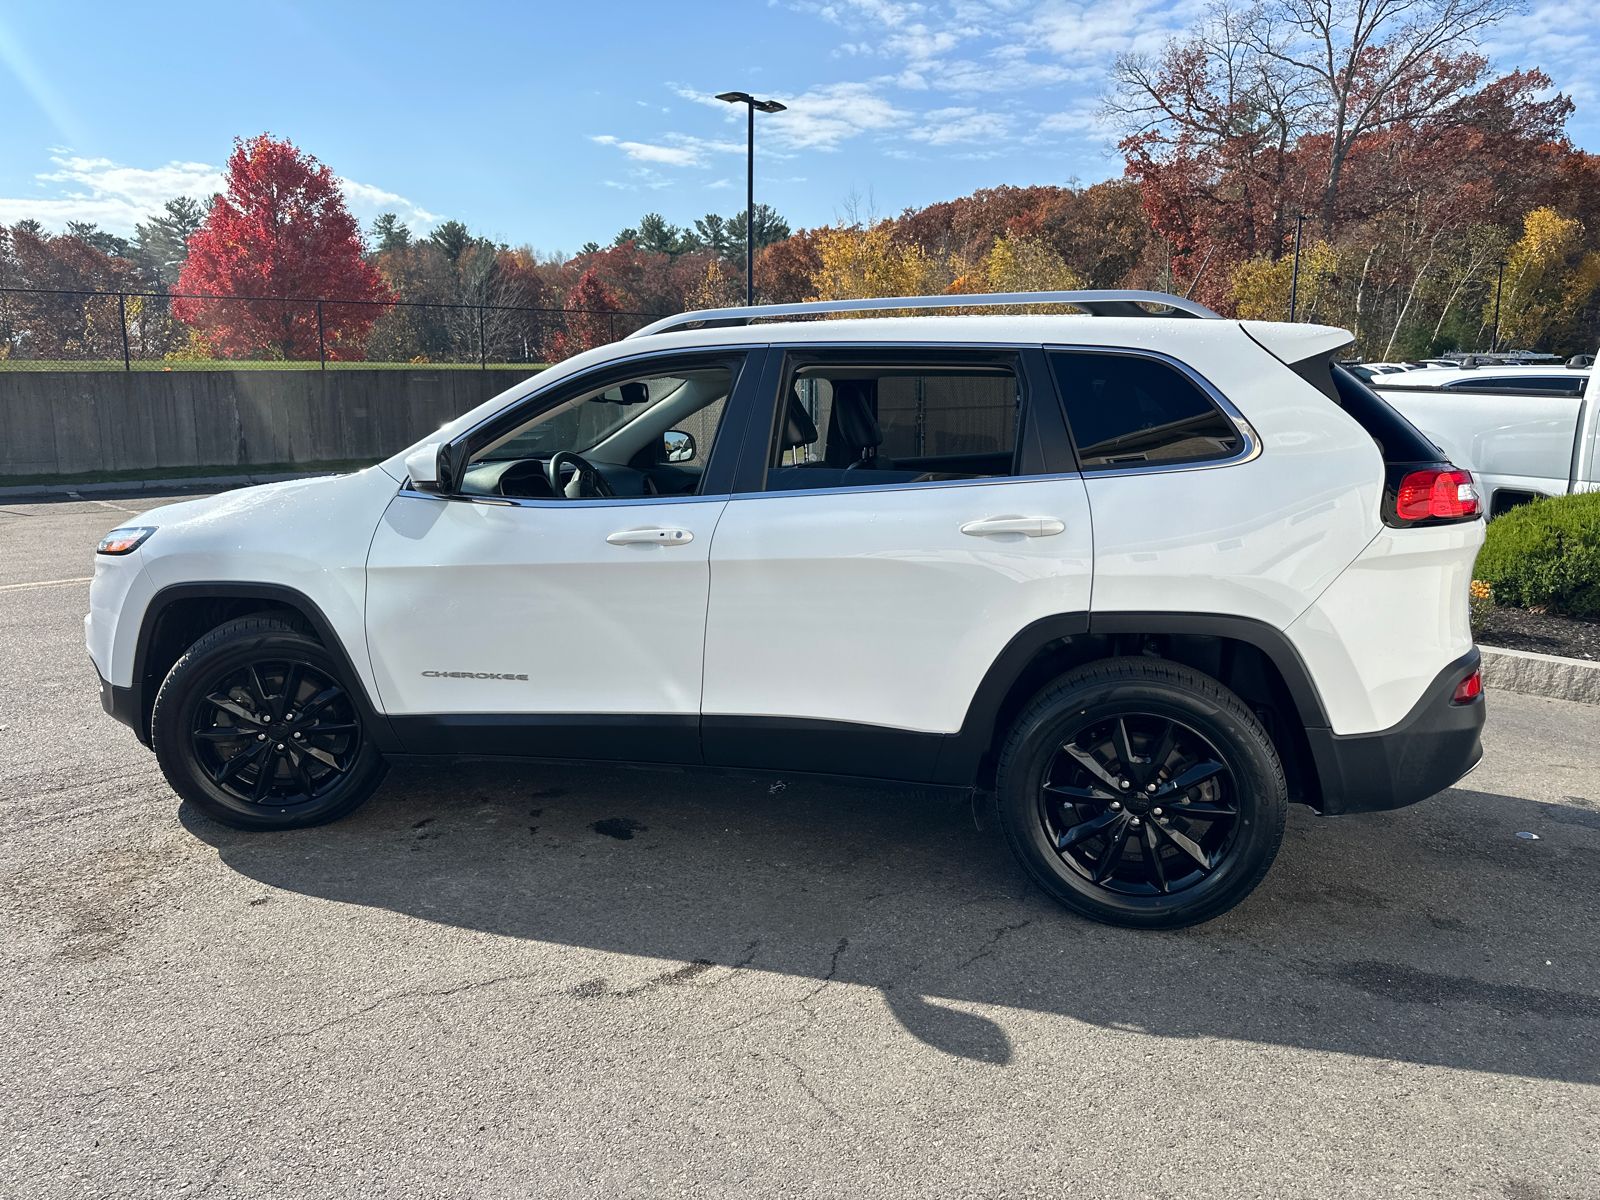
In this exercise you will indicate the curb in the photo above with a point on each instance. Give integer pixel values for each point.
(1541, 675)
(139, 485)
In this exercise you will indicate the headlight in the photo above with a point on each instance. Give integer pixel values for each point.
(125, 540)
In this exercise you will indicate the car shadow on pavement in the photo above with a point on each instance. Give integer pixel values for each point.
(1429, 935)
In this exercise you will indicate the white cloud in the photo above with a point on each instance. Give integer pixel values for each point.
(672, 156)
(949, 125)
(823, 117)
(684, 151)
(118, 197)
(367, 201)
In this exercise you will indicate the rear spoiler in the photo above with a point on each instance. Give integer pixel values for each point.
(1307, 350)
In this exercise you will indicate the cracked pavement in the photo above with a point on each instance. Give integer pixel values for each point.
(467, 989)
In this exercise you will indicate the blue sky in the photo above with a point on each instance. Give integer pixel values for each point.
(551, 124)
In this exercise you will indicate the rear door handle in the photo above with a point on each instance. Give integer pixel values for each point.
(1029, 526)
(650, 537)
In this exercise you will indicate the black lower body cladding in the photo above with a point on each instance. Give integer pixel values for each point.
(1436, 743)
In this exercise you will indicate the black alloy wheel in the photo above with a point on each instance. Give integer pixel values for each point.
(255, 725)
(1140, 792)
(1140, 805)
(276, 733)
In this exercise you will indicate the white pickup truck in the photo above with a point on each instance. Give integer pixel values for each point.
(1524, 432)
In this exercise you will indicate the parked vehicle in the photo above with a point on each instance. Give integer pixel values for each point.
(1524, 432)
(1147, 578)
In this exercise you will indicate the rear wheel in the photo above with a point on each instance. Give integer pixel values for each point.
(1139, 792)
(256, 726)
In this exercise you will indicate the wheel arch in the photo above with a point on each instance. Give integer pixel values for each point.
(1252, 657)
(181, 614)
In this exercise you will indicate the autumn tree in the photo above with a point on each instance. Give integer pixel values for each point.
(61, 315)
(786, 271)
(1549, 278)
(280, 229)
(592, 325)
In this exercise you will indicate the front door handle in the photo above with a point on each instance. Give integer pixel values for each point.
(650, 537)
(1029, 526)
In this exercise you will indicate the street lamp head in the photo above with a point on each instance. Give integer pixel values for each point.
(766, 106)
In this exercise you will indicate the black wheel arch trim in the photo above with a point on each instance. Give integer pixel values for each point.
(133, 708)
(1268, 639)
(962, 755)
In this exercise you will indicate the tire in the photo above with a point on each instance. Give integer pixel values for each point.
(256, 726)
(1192, 831)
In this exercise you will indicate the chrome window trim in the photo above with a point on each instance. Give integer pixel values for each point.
(985, 481)
(1248, 452)
(545, 502)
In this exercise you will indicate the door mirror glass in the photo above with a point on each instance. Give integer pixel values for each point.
(423, 467)
(677, 446)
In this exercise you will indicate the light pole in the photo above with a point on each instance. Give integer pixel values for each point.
(1500, 278)
(766, 106)
(1294, 283)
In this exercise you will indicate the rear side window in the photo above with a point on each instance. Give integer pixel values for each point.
(1129, 411)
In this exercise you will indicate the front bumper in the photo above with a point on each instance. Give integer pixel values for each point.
(122, 704)
(1432, 747)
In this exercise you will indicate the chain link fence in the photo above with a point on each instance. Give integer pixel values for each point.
(42, 330)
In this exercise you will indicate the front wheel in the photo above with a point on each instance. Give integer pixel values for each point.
(1140, 792)
(256, 726)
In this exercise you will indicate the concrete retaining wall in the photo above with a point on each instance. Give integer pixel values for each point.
(70, 421)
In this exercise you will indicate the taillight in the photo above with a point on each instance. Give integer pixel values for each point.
(1450, 495)
(1469, 688)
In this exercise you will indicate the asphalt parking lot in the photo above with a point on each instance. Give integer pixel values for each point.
(535, 981)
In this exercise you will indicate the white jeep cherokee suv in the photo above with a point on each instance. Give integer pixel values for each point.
(1147, 578)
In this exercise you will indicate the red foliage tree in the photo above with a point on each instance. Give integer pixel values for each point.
(785, 270)
(590, 327)
(280, 230)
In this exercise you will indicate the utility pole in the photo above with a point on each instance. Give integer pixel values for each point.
(1500, 278)
(766, 106)
(1294, 283)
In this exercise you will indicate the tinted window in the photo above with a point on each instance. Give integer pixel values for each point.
(1126, 410)
(1562, 385)
(855, 426)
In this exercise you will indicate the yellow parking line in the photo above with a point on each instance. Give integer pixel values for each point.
(17, 587)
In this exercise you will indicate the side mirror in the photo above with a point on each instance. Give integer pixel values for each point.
(677, 446)
(423, 467)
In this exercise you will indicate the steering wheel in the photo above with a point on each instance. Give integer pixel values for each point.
(588, 479)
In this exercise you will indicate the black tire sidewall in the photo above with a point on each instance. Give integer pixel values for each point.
(186, 687)
(1074, 703)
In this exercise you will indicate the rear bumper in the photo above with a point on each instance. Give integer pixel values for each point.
(1435, 744)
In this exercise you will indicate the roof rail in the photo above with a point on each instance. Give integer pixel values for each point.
(1105, 302)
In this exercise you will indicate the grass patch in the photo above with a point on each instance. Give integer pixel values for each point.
(224, 364)
(142, 473)
(1546, 555)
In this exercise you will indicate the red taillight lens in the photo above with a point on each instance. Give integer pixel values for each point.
(1448, 494)
(1469, 688)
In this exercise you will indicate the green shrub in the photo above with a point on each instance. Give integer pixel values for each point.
(1546, 554)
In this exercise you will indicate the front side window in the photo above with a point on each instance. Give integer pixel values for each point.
(856, 426)
(1126, 410)
(647, 436)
